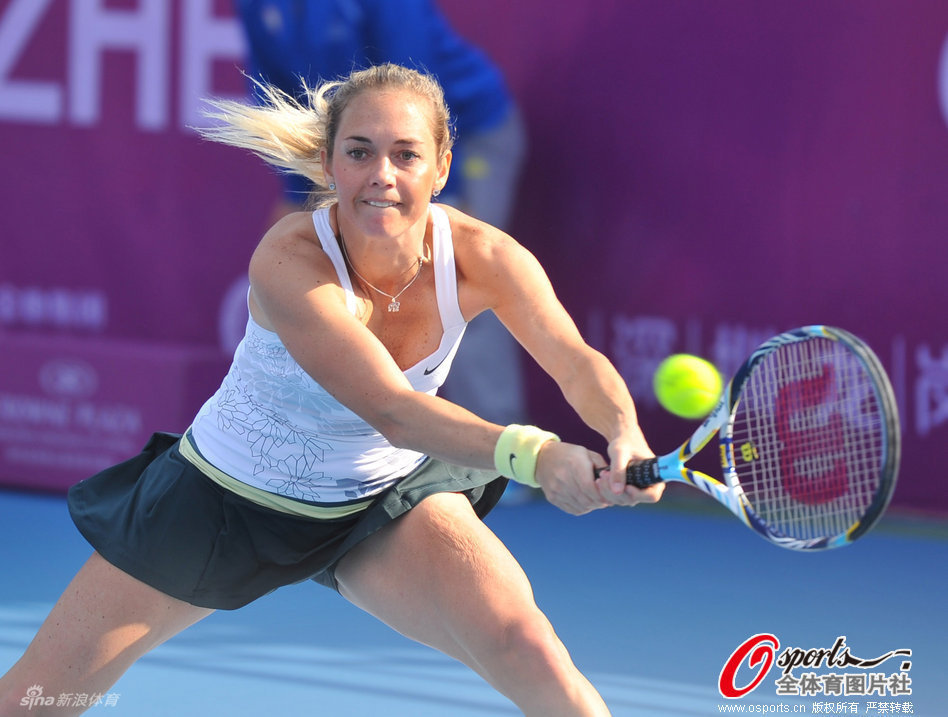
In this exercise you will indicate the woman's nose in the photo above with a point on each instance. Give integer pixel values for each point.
(384, 171)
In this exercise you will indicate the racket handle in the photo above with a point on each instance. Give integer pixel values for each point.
(642, 474)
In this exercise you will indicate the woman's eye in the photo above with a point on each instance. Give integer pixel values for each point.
(357, 153)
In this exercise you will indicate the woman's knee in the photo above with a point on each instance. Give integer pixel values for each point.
(526, 646)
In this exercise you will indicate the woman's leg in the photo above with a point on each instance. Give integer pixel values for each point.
(439, 576)
(104, 621)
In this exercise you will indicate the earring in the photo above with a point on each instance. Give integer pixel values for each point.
(332, 186)
(436, 193)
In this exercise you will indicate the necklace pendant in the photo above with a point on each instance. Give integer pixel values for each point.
(394, 306)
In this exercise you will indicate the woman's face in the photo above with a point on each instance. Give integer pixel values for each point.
(385, 162)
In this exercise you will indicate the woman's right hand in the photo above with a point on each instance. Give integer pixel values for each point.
(567, 475)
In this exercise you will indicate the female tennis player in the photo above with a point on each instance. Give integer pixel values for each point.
(326, 454)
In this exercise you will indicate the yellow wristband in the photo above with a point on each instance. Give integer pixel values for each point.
(515, 455)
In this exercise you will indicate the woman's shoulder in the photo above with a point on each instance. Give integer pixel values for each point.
(288, 263)
(487, 260)
(294, 232)
(471, 234)
(291, 242)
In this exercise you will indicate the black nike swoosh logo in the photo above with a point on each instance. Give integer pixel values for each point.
(513, 457)
(429, 371)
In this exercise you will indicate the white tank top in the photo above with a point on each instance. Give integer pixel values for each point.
(271, 426)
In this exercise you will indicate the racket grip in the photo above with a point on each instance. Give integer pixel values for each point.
(642, 474)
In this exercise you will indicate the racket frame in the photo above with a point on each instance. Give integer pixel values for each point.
(672, 466)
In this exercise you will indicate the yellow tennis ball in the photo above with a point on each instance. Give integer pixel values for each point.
(687, 386)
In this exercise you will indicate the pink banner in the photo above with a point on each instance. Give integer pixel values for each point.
(700, 176)
(68, 407)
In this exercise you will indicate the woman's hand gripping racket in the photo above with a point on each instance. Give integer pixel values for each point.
(809, 437)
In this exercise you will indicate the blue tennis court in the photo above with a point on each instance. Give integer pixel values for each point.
(651, 601)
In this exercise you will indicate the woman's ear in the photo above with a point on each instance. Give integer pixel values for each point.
(444, 169)
(328, 181)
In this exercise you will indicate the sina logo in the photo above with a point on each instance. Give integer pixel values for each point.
(34, 698)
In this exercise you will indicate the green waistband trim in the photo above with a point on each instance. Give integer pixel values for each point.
(262, 497)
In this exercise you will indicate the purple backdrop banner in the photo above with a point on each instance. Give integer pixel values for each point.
(701, 175)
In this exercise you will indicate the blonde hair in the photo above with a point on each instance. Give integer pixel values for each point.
(289, 133)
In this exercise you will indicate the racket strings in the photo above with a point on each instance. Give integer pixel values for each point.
(809, 439)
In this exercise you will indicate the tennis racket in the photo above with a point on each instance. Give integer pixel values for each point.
(809, 438)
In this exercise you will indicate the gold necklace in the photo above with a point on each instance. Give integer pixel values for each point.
(394, 305)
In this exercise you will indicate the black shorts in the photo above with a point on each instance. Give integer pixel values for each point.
(161, 520)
